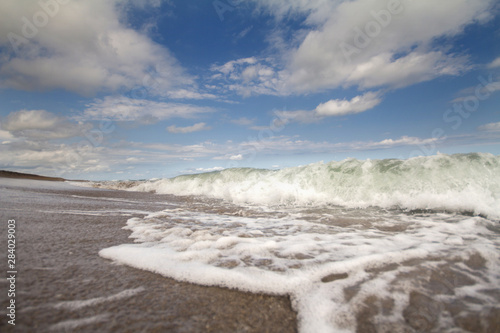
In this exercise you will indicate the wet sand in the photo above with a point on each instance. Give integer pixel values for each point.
(64, 286)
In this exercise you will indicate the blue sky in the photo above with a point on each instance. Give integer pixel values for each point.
(134, 89)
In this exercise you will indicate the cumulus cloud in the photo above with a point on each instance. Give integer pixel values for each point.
(128, 109)
(373, 43)
(249, 76)
(80, 46)
(188, 129)
(363, 43)
(30, 119)
(337, 107)
(41, 124)
(333, 108)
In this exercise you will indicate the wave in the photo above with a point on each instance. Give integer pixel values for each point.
(461, 182)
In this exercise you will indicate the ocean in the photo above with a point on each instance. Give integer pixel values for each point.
(358, 245)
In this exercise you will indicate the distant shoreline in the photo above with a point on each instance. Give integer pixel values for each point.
(20, 175)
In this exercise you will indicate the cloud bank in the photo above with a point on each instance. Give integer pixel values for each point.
(80, 46)
(362, 43)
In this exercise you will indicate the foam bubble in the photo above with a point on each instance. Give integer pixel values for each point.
(332, 271)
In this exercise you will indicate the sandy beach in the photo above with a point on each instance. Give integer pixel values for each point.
(62, 284)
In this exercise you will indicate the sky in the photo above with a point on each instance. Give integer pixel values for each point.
(140, 89)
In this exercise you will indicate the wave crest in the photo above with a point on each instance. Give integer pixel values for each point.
(460, 182)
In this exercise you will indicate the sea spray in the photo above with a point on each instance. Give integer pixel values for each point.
(464, 183)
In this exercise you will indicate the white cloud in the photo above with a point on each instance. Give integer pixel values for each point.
(83, 158)
(230, 157)
(175, 151)
(237, 157)
(367, 43)
(337, 107)
(5, 135)
(243, 121)
(491, 127)
(388, 143)
(243, 33)
(229, 67)
(249, 76)
(30, 119)
(128, 109)
(80, 46)
(189, 129)
(53, 159)
(363, 43)
(333, 108)
(41, 124)
(495, 63)
(415, 67)
(189, 94)
(286, 145)
(202, 170)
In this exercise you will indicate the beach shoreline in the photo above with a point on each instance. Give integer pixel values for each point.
(63, 285)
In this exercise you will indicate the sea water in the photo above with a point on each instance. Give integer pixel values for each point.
(380, 245)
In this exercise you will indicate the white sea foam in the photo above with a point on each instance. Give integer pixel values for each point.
(462, 183)
(316, 263)
(79, 304)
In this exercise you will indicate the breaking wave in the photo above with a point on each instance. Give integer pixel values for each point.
(461, 182)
